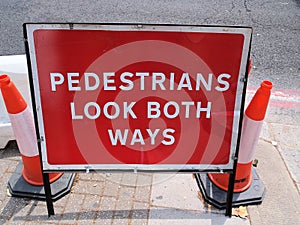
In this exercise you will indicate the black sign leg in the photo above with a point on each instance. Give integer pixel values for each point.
(230, 194)
(48, 194)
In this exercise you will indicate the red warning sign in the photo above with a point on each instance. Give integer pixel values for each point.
(137, 96)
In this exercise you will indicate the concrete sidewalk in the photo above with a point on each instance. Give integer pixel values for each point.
(124, 198)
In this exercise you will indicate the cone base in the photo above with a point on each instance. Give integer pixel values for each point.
(52, 177)
(221, 181)
(32, 171)
(18, 187)
(218, 198)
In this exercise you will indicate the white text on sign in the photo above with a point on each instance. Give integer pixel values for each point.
(141, 81)
(159, 81)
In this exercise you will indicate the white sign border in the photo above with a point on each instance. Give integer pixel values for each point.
(29, 29)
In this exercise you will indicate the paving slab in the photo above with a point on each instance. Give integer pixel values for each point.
(178, 191)
(166, 216)
(282, 203)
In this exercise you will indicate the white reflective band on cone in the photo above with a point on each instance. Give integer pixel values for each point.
(24, 130)
(249, 139)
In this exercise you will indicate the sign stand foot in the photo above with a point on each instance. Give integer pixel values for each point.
(48, 194)
(230, 194)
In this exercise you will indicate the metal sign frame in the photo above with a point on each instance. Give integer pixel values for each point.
(230, 167)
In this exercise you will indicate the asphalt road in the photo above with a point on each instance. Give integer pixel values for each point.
(276, 25)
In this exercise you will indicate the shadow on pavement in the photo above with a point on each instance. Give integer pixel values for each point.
(11, 150)
(137, 214)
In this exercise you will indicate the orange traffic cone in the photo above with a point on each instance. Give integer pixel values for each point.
(23, 126)
(252, 124)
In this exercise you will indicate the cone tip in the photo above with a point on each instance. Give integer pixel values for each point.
(267, 84)
(4, 80)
